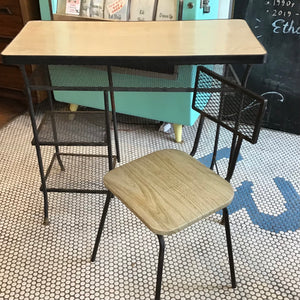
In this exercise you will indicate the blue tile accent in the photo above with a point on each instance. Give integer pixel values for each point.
(289, 220)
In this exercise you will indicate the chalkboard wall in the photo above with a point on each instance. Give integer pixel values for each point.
(276, 25)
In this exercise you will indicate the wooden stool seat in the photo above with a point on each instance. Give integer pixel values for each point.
(169, 190)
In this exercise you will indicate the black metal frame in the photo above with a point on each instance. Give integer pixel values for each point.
(236, 144)
(30, 86)
(228, 69)
(162, 247)
(46, 84)
(235, 149)
(22, 60)
(233, 86)
(237, 138)
(119, 60)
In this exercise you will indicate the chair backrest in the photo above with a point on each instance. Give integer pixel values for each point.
(230, 106)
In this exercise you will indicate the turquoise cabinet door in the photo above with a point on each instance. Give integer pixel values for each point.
(167, 107)
(45, 10)
(192, 10)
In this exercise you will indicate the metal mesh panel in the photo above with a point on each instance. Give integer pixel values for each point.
(230, 105)
(73, 128)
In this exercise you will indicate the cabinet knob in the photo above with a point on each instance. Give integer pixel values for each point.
(190, 5)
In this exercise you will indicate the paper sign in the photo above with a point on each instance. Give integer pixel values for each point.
(73, 7)
(166, 10)
(116, 9)
(85, 8)
(141, 10)
(115, 6)
(97, 8)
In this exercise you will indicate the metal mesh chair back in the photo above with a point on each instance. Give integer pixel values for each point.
(228, 104)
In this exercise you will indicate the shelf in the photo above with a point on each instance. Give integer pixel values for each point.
(81, 128)
(83, 173)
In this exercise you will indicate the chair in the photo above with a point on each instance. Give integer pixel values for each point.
(169, 190)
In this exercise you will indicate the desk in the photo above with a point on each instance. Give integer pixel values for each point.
(79, 43)
(180, 42)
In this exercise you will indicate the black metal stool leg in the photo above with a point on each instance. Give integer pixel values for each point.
(160, 266)
(229, 246)
(101, 225)
(198, 135)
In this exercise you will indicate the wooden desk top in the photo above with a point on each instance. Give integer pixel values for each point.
(92, 42)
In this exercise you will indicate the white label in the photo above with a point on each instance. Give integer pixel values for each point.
(116, 9)
(85, 8)
(141, 10)
(166, 10)
(97, 8)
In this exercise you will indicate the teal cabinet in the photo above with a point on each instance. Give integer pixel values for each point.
(167, 107)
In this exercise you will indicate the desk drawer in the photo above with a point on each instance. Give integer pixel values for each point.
(11, 78)
(11, 21)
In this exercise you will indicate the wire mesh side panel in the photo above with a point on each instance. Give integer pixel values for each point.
(228, 104)
(73, 128)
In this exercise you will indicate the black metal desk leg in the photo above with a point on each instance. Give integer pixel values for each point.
(53, 124)
(107, 125)
(54, 131)
(37, 144)
(246, 75)
(114, 115)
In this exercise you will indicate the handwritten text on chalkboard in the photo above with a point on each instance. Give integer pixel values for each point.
(286, 11)
(276, 23)
(281, 8)
(285, 27)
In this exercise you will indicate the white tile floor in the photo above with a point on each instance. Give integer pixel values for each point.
(53, 262)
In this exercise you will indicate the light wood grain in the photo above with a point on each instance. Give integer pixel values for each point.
(138, 39)
(169, 190)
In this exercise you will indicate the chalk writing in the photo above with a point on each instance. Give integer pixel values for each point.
(276, 24)
(273, 95)
(285, 27)
(281, 8)
(281, 12)
(282, 3)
